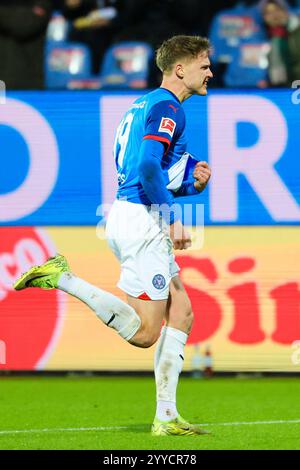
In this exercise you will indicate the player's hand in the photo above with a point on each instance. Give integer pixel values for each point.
(180, 237)
(201, 173)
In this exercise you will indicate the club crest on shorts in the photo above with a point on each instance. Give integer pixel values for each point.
(159, 281)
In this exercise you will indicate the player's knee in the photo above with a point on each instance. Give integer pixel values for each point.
(145, 337)
(148, 341)
(148, 338)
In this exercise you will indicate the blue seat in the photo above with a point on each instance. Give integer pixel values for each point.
(126, 65)
(249, 64)
(65, 62)
(230, 27)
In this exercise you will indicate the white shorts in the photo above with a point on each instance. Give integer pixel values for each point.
(138, 239)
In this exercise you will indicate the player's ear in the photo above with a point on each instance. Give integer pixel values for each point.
(179, 71)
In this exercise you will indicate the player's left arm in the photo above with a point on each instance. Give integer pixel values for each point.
(201, 176)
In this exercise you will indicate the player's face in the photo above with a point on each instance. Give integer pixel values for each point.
(197, 74)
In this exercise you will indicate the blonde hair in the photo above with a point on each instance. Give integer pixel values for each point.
(178, 48)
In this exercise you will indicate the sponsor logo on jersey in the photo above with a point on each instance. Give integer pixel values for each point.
(139, 105)
(167, 125)
(159, 281)
(173, 107)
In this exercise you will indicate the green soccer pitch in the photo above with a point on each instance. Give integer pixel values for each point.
(116, 413)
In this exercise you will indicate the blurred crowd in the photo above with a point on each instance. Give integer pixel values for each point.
(255, 43)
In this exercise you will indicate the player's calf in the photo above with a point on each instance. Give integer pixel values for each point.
(179, 314)
(184, 322)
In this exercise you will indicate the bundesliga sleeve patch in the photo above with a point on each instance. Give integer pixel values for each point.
(167, 125)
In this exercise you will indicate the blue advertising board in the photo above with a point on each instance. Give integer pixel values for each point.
(57, 165)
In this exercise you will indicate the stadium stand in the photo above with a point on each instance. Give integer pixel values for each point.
(126, 64)
(249, 65)
(65, 62)
(230, 27)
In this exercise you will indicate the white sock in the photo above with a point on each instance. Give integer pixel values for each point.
(166, 410)
(168, 363)
(110, 309)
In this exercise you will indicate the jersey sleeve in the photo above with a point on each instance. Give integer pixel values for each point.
(165, 122)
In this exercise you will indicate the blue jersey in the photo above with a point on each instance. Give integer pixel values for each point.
(159, 116)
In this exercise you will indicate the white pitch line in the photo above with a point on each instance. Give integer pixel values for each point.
(37, 431)
(245, 423)
(113, 428)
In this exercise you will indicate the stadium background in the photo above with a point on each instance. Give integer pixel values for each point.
(57, 169)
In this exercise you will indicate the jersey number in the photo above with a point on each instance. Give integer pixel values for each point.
(122, 139)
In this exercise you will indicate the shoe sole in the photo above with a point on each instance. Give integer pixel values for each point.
(187, 434)
(178, 435)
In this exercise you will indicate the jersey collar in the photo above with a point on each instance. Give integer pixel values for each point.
(173, 94)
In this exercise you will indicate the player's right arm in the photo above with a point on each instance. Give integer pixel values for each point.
(164, 122)
(153, 183)
(151, 175)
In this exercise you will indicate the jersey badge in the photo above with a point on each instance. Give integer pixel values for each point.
(167, 125)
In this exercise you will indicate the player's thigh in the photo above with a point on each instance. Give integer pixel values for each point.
(152, 314)
(142, 249)
(179, 312)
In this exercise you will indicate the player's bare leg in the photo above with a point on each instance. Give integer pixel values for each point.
(151, 313)
(138, 322)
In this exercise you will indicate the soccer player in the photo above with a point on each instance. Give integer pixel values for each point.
(142, 229)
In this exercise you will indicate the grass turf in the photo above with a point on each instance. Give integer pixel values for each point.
(57, 404)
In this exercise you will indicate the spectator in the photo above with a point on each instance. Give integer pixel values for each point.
(230, 28)
(23, 25)
(284, 32)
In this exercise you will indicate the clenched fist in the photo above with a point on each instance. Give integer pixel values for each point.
(201, 173)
